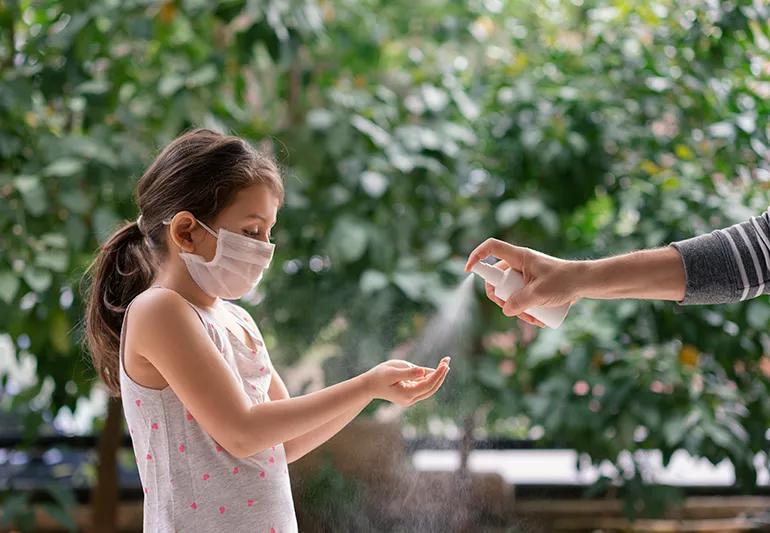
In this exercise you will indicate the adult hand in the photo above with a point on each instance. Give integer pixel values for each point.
(548, 281)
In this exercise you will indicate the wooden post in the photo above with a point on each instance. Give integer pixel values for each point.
(104, 496)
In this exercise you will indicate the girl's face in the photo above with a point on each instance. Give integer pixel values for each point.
(252, 213)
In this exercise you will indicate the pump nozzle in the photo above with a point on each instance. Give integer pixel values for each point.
(488, 272)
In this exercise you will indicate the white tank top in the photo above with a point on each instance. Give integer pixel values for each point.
(191, 484)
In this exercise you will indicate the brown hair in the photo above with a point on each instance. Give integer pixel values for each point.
(200, 172)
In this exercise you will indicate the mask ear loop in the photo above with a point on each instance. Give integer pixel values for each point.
(167, 222)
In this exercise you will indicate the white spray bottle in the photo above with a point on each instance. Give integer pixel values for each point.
(506, 282)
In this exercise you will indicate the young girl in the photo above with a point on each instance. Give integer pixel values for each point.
(212, 424)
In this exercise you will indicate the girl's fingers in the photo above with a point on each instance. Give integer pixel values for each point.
(427, 383)
(433, 389)
(412, 383)
(429, 389)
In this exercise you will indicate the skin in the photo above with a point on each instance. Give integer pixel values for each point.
(166, 345)
(549, 282)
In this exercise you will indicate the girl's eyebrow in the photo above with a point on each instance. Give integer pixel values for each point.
(257, 215)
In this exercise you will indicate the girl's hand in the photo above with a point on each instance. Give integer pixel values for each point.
(405, 384)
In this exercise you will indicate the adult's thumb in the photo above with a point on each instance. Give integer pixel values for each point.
(520, 301)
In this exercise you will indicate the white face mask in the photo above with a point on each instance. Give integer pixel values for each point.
(236, 268)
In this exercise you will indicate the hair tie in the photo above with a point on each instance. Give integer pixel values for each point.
(139, 223)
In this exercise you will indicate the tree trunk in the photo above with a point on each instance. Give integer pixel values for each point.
(104, 496)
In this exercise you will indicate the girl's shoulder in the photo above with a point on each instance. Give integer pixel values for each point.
(160, 303)
(165, 311)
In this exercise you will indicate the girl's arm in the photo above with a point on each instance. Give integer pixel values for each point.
(165, 330)
(299, 446)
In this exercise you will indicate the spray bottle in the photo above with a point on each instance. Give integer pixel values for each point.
(506, 282)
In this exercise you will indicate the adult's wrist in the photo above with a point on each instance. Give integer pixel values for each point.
(582, 277)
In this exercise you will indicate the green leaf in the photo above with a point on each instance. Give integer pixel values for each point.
(169, 84)
(56, 260)
(758, 314)
(348, 239)
(60, 332)
(63, 167)
(33, 194)
(374, 183)
(76, 201)
(412, 283)
(202, 76)
(9, 284)
(104, 222)
(510, 211)
(37, 278)
(373, 281)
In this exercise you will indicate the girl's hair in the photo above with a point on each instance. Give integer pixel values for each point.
(200, 172)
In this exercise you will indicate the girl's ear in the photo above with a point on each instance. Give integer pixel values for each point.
(184, 231)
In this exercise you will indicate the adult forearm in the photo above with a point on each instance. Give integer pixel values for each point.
(647, 274)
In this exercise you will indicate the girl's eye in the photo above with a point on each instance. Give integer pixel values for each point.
(251, 233)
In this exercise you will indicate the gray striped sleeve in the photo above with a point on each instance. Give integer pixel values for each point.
(727, 265)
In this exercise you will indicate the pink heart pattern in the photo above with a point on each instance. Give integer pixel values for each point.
(182, 448)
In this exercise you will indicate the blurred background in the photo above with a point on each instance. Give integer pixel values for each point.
(408, 132)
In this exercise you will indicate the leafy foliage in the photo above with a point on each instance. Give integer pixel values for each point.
(410, 132)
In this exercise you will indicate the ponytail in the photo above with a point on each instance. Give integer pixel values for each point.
(123, 268)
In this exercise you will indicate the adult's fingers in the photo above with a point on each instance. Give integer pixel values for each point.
(490, 290)
(526, 317)
(510, 253)
(520, 301)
